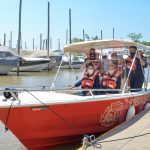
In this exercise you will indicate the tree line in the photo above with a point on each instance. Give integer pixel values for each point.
(136, 37)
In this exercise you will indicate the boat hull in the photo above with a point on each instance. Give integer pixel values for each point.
(32, 68)
(41, 127)
(4, 69)
(6, 65)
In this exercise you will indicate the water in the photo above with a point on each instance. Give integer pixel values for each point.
(38, 79)
(45, 78)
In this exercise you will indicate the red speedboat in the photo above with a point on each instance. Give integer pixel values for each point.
(42, 119)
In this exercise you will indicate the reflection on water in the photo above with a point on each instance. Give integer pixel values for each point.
(33, 79)
(45, 78)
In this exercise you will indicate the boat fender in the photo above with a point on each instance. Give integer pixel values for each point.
(147, 106)
(130, 113)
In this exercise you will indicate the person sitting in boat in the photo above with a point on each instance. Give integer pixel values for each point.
(112, 79)
(135, 68)
(90, 80)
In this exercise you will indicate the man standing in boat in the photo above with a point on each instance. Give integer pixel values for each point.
(90, 80)
(135, 68)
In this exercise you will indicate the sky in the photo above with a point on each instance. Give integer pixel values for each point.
(126, 16)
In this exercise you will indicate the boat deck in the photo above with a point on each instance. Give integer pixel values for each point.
(139, 125)
(34, 98)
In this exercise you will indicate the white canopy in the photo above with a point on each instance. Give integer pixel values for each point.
(84, 47)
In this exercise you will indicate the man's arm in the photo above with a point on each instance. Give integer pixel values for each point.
(78, 83)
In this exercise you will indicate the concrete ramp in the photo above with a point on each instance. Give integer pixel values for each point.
(120, 137)
(8, 140)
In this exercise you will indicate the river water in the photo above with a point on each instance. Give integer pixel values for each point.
(45, 78)
(37, 79)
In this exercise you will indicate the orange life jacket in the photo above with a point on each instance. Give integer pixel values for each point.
(129, 63)
(88, 81)
(110, 81)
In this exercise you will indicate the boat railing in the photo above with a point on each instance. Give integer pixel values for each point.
(14, 92)
(48, 89)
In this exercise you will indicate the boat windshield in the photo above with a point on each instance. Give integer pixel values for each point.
(5, 54)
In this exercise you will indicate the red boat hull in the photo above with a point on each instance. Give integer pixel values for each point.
(43, 127)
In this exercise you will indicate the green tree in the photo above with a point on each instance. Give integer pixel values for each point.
(76, 40)
(95, 38)
(87, 36)
(135, 37)
(145, 43)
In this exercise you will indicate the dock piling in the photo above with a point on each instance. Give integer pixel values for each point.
(4, 39)
(19, 33)
(70, 34)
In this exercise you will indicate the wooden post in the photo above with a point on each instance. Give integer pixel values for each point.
(66, 36)
(101, 34)
(70, 40)
(33, 44)
(48, 29)
(19, 33)
(83, 35)
(10, 41)
(43, 44)
(40, 41)
(4, 39)
(113, 33)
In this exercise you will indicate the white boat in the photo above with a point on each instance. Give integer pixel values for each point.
(55, 57)
(33, 64)
(8, 60)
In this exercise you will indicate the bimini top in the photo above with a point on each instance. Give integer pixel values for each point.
(84, 47)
